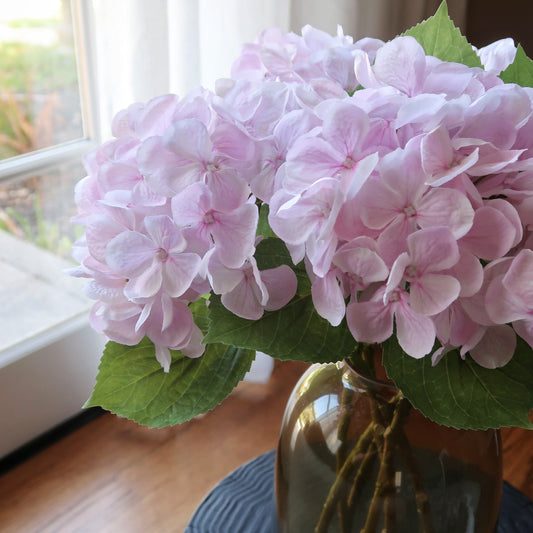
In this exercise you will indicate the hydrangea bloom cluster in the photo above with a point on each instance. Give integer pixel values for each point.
(403, 182)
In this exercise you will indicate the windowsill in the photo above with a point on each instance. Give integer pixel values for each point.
(48, 352)
(39, 302)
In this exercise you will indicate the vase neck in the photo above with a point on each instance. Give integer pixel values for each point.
(367, 369)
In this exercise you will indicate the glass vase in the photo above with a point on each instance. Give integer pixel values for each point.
(355, 456)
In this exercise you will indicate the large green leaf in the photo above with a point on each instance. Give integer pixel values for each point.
(462, 394)
(520, 71)
(131, 383)
(440, 38)
(295, 332)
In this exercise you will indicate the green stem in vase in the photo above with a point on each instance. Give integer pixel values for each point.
(385, 483)
(342, 431)
(360, 479)
(354, 458)
(421, 497)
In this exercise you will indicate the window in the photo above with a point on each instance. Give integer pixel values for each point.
(66, 67)
(48, 354)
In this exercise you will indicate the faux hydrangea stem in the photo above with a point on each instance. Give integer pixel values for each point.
(385, 482)
(355, 457)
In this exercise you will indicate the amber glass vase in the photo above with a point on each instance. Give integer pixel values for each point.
(355, 456)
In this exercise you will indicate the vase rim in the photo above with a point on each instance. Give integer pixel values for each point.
(360, 374)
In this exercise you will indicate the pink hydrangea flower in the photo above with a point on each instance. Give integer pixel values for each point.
(153, 261)
(204, 217)
(372, 321)
(430, 251)
(405, 184)
(248, 292)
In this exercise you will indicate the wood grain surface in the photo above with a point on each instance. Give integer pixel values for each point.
(113, 476)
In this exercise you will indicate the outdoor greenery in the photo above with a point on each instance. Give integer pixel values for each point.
(38, 100)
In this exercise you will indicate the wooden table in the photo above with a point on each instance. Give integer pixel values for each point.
(113, 476)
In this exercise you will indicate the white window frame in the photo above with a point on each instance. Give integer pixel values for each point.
(46, 378)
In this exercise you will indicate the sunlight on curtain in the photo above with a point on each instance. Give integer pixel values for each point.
(144, 49)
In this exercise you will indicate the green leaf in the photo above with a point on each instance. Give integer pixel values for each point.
(200, 313)
(295, 332)
(462, 394)
(440, 38)
(520, 71)
(131, 383)
(263, 227)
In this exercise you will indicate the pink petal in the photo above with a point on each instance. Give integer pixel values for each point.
(494, 162)
(351, 182)
(164, 233)
(232, 142)
(361, 259)
(180, 329)
(320, 253)
(476, 305)
(190, 205)
(243, 300)
(416, 333)
(147, 284)
(369, 321)
(524, 328)
(380, 205)
(234, 234)
(438, 158)
(496, 347)
(393, 239)
(194, 347)
(498, 55)
(328, 298)
(165, 172)
(432, 293)
(396, 273)
(229, 189)
(433, 249)
(502, 305)
(519, 277)
(512, 215)
(157, 115)
(422, 109)
(100, 231)
(345, 127)
(189, 140)
(401, 63)
(179, 272)
(222, 278)
(364, 73)
(454, 326)
(446, 207)
(130, 253)
(142, 194)
(281, 284)
(163, 357)
(469, 272)
(310, 159)
(491, 235)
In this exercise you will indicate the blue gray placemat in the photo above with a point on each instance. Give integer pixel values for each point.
(243, 502)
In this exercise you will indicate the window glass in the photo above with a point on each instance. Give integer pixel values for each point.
(40, 108)
(39, 91)
(38, 208)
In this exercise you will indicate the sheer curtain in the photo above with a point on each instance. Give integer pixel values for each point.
(142, 49)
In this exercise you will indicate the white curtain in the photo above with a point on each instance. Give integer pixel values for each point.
(146, 48)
